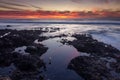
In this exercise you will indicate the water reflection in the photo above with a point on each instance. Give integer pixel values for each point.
(60, 56)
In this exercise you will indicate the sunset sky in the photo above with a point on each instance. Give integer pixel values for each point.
(59, 9)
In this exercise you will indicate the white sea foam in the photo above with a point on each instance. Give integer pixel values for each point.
(102, 30)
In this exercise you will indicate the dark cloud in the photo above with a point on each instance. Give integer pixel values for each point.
(13, 4)
(96, 1)
(39, 8)
(10, 8)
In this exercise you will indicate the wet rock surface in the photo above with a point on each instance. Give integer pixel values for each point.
(85, 43)
(36, 49)
(27, 65)
(8, 26)
(101, 63)
(4, 78)
(18, 75)
(17, 38)
(103, 59)
(31, 63)
(5, 59)
(91, 68)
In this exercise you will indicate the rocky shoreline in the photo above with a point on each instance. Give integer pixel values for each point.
(27, 65)
(103, 62)
(23, 49)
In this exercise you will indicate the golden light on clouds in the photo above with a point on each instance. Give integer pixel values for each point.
(59, 9)
(59, 14)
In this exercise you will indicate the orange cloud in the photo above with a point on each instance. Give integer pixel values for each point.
(59, 14)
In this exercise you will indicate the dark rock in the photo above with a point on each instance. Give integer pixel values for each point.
(85, 43)
(18, 38)
(28, 63)
(8, 25)
(31, 49)
(18, 75)
(93, 67)
(41, 38)
(90, 68)
(5, 59)
(28, 66)
(4, 78)
(115, 66)
(36, 49)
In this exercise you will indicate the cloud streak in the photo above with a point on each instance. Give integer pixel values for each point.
(11, 8)
(17, 6)
(96, 1)
(39, 8)
(14, 4)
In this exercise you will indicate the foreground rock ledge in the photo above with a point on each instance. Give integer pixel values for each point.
(91, 68)
(27, 66)
(103, 62)
(85, 43)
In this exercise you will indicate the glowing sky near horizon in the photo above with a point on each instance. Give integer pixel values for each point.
(80, 6)
(59, 5)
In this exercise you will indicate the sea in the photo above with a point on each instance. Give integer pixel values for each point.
(107, 31)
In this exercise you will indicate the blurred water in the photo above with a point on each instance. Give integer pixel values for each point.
(57, 59)
(106, 31)
(60, 55)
